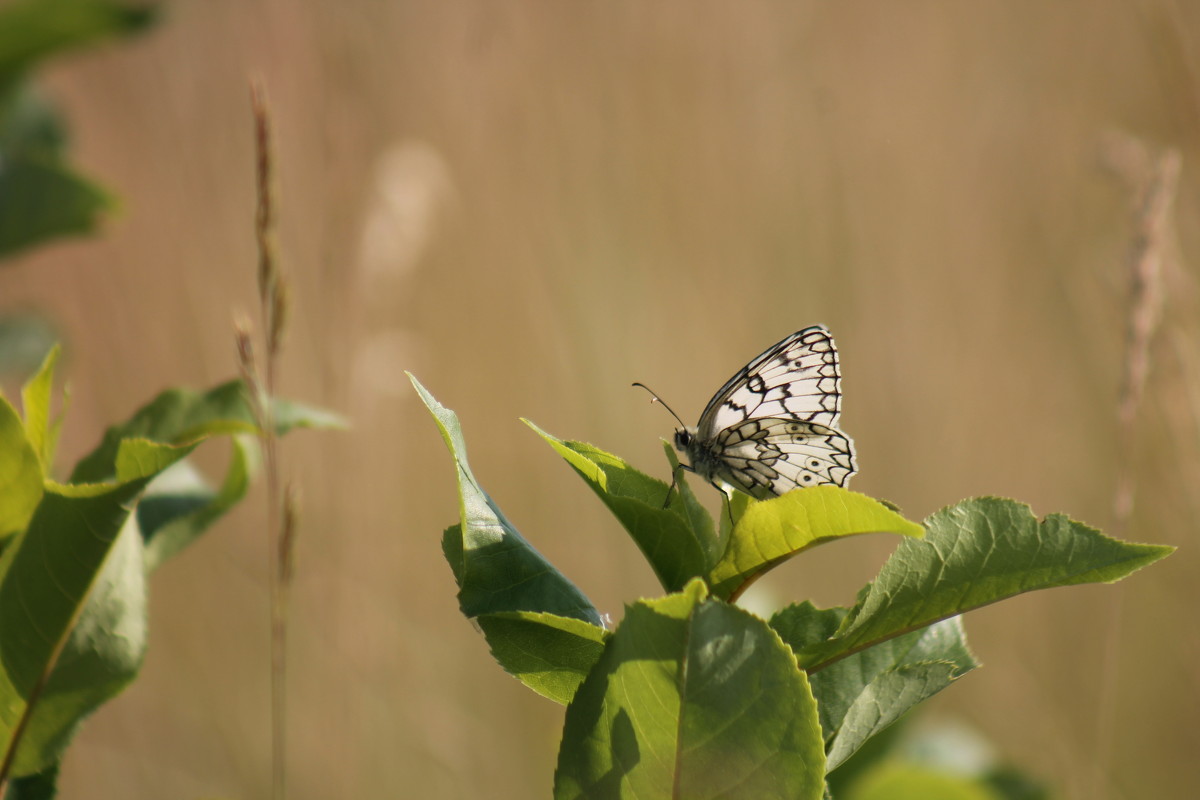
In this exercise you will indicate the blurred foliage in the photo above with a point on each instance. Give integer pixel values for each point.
(25, 338)
(74, 557)
(930, 758)
(41, 196)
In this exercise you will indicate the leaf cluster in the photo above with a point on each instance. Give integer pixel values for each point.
(75, 555)
(693, 696)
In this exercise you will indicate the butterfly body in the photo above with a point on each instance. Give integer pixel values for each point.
(773, 426)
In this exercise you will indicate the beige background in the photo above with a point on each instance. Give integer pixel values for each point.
(531, 205)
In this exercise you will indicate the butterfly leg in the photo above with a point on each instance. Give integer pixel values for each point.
(675, 482)
(726, 497)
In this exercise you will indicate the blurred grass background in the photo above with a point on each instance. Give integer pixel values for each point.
(531, 205)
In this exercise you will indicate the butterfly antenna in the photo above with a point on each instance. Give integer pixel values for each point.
(656, 399)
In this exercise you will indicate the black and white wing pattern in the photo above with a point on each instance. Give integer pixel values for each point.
(773, 426)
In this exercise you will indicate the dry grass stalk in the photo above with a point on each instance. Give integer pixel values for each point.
(1152, 182)
(281, 507)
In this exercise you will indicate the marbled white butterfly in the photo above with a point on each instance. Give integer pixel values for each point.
(773, 426)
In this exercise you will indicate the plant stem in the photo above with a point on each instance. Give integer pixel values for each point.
(273, 306)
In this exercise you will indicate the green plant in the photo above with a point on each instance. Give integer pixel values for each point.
(75, 555)
(692, 696)
(41, 196)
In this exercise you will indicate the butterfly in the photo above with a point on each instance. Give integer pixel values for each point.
(773, 426)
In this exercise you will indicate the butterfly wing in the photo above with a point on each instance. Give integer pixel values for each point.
(765, 457)
(773, 425)
(798, 378)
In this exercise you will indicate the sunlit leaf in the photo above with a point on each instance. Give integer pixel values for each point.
(975, 553)
(20, 473)
(72, 601)
(35, 402)
(496, 568)
(692, 698)
(183, 415)
(772, 531)
(673, 547)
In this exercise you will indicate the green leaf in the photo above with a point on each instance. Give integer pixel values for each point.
(30, 127)
(548, 653)
(102, 654)
(142, 458)
(182, 415)
(879, 748)
(452, 550)
(496, 568)
(179, 505)
(975, 553)
(20, 473)
(39, 786)
(863, 694)
(889, 695)
(803, 625)
(72, 601)
(290, 416)
(40, 196)
(35, 399)
(31, 30)
(699, 521)
(772, 531)
(692, 698)
(43, 199)
(674, 548)
(898, 781)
